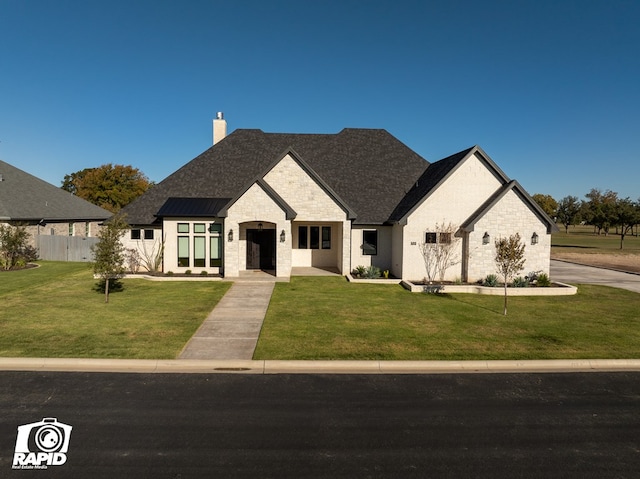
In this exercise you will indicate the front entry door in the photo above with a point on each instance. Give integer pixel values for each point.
(261, 249)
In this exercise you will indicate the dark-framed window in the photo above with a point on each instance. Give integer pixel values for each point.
(215, 244)
(445, 238)
(431, 238)
(199, 228)
(199, 251)
(148, 234)
(183, 251)
(303, 237)
(314, 237)
(370, 242)
(135, 234)
(326, 237)
(183, 227)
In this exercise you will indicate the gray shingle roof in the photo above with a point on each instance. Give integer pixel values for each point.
(436, 174)
(24, 197)
(370, 170)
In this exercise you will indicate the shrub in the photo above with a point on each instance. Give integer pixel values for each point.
(491, 281)
(359, 271)
(386, 274)
(133, 260)
(14, 250)
(520, 282)
(543, 280)
(372, 272)
(187, 272)
(203, 273)
(169, 273)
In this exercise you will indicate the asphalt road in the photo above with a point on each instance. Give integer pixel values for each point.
(280, 426)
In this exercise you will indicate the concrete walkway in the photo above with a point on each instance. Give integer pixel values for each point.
(579, 274)
(232, 329)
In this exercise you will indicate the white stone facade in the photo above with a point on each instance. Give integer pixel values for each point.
(509, 216)
(310, 226)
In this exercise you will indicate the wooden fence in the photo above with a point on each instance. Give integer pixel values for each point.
(65, 248)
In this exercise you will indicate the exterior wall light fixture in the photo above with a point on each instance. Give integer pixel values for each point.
(486, 238)
(534, 238)
(230, 235)
(259, 226)
(282, 237)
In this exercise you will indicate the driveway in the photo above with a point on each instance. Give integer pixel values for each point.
(578, 274)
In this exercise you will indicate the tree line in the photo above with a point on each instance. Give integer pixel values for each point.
(603, 210)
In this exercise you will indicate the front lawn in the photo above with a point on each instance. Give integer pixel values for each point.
(328, 318)
(53, 311)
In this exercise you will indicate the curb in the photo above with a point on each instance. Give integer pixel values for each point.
(314, 367)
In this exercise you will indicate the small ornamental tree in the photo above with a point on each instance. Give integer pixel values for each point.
(109, 253)
(509, 260)
(439, 251)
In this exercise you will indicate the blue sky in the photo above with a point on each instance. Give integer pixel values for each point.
(549, 89)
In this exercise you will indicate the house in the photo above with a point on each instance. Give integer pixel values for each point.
(277, 201)
(58, 222)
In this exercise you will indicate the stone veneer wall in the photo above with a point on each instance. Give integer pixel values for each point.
(507, 217)
(454, 201)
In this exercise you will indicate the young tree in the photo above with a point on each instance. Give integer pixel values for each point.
(109, 186)
(569, 211)
(109, 252)
(439, 251)
(14, 250)
(509, 260)
(547, 203)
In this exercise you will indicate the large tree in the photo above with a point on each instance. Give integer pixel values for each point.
(509, 260)
(627, 215)
(569, 209)
(600, 209)
(109, 186)
(547, 203)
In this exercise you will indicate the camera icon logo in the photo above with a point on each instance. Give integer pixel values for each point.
(42, 444)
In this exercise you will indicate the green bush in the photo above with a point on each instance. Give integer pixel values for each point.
(203, 273)
(372, 272)
(491, 281)
(520, 282)
(543, 280)
(359, 271)
(187, 272)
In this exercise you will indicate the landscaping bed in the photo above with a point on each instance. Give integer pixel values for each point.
(556, 289)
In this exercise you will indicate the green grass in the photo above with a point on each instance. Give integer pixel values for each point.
(54, 311)
(581, 239)
(327, 318)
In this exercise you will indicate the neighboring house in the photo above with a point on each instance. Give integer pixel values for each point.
(274, 202)
(59, 223)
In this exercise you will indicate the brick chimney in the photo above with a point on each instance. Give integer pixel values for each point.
(219, 128)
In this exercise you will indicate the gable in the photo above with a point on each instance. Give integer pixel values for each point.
(466, 182)
(518, 200)
(305, 191)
